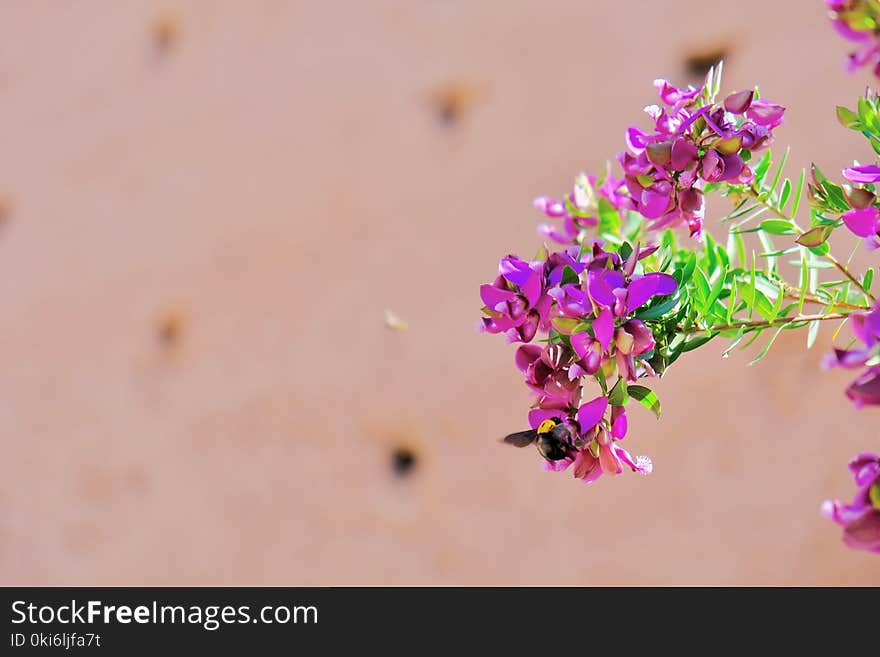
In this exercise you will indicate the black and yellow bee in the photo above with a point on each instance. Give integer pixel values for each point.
(551, 438)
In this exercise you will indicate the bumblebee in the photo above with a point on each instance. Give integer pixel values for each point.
(551, 438)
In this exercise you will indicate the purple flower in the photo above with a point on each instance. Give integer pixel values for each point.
(860, 519)
(863, 173)
(546, 371)
(516, 303)
(864, 223)
(693, 143)
(601, 454)
(765, 113)
(865, 390)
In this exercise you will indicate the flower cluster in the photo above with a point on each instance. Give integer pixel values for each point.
(585, 299)
(865, 390)
(860, 519)
(858, 21)
(695, 141)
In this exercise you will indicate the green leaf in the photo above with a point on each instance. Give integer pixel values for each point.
(684, 274)
(778, 227)
(569, 276)
(835, 195)
(736, 341)
(766, 347)
(785, 193)
(694, 343)
(609, 218)
(812, 332)
(731, 306)
(740, 250)
(779, 170)
(715, 292)
(657, 310)
(770, 248)
(867, 280)
(866, 113)
(848, 119)
(762, 168)
(646, 397)
(821, 250)
(700, 285)
(798, 192)
(805, 281)
(618, 396)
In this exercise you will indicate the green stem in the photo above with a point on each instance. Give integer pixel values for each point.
(781, 321)
(808, 298)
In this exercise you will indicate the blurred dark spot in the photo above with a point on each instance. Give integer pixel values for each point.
(698, 62)
(170, 329)
(403, 461)
(166, 30)
(453, 99)
(5, 210)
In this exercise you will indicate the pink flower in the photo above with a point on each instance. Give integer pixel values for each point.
(865, 390)
(861, 518)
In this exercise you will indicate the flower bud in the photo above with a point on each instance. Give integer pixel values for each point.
(857, 197)
(738, 102)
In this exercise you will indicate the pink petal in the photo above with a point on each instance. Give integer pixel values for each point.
(862, 222)
(603, 327)
(591, 413)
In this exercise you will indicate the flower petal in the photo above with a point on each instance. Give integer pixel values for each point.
(863, 173)
(862, 223)
(591, 413)
(603, 327)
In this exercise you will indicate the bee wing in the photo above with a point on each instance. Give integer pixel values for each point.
(521, 438)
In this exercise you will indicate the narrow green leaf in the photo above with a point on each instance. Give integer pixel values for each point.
(736, 341)
(785, 193)
(699, 341)
(798, 192)
(770, 248)
(779, 170)
(778, 227)
(766, 347)
(762, 168)
(804, 282)
(646, 397)
(732, 301)
(812, 332)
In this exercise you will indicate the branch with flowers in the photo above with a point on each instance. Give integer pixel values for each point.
(630, 278)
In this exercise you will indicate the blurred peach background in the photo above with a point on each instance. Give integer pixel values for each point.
(209, 206)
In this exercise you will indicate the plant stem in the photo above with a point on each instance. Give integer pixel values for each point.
(781, 321)
(795, 295)
(755, 194)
